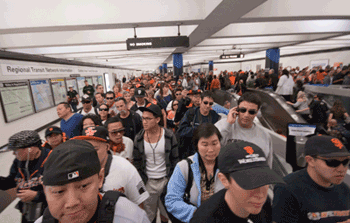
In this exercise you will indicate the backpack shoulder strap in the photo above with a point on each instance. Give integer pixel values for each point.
(106, 210)
(190, 176)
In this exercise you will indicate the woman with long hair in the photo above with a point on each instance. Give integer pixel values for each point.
(117, 90)
(301, 105)
(103, 113)
(164, 96)
(338, 112)
(204, 169)
(89, 120)
(129, 102)
(171, 115)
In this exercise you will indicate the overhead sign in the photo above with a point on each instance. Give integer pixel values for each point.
(157, 42)
(231, 56)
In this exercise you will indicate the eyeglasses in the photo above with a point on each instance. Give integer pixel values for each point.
(334, 163)
(178, 94)
(104, 109)
(207, 102)
(110, 98)
(250, 111)
(146, 119)
(86, 102)
(117, 131)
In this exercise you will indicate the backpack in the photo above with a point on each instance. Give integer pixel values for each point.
(105, 212)
(186, 195)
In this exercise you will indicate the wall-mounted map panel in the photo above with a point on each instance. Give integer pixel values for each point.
(16, 101)
(59, 90)
(42, 95)
(81, 85)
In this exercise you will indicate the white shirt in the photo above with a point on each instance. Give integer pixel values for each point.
(155, 158)
(129, 148)
(92, 111)
(124, 177)
(285, 85)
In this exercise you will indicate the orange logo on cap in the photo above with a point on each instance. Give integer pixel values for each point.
(337, 143)
(149, 104)
(249, 150)
(50, 129)
(90, 132)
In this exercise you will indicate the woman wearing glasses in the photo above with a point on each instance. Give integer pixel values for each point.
(103, 113)
(120, 145)
(239, 125)
(204, 183)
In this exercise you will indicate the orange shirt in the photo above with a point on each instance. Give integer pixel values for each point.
(215, 84)
(232, 80)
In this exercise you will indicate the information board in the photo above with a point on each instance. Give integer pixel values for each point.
(72, 82)
(42, 95)
(59, 90)
(95, 80)
(16, 100)
(100, 80)
(81, 85)
(89, 79)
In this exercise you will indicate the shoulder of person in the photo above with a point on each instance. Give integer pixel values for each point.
(139, 136)
(127, 140)
(128, 212)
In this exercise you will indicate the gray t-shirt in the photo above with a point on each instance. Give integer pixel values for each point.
(255, 134)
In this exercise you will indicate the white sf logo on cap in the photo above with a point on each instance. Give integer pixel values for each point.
(73, 175)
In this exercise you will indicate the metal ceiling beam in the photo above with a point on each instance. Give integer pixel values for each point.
(97, 27)
(225, 13)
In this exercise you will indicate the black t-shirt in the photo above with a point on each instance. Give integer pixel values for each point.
(303, 200)
(72, 94)
(132, 124)
(319, 111)
(217, 210)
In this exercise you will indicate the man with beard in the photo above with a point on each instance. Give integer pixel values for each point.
(132, 121)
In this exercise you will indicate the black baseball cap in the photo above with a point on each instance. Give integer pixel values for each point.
(53, 129)
(140, 93)
(194, 92)
(325, 146)
(150, 107)
(24, 139)
(247, 165)
(98, 133)
(71, 161)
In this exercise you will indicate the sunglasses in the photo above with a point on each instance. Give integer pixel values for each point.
(250, 111)
(176, 104)
(110, 98)
(207, 102)
(86, 102)
(334, 163)
(104, 109)
(178, 94)
(118, 131)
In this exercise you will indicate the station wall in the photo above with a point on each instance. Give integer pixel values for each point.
(44, 117)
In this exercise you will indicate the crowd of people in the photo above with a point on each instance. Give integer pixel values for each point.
(155, 144)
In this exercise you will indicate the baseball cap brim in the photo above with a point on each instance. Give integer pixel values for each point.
(335, 154)
(150, 110)
(89, 138)
(256, 177)
(53, 131)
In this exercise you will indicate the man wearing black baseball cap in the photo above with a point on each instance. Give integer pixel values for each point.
(120, 174)
(155, 157)
(139, 95)
(54, 136)
(26, 173)
(316, 193)
(246, 175)
(72, 179)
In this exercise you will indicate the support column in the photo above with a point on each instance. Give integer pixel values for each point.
(178, 65)
(272, 59)
(211, 65)
(165, 68)
(161, 69)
